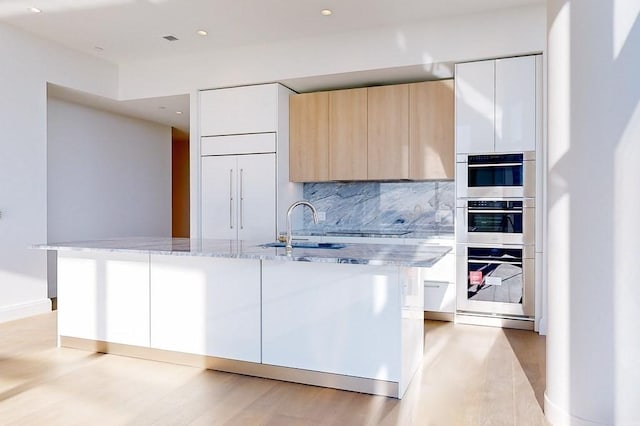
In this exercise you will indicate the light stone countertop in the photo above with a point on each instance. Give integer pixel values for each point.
(423, 255)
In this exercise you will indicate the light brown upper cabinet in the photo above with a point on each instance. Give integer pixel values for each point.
(388, 126)
(402, 131)
(431, 142)
(348, 134)
(309, 137)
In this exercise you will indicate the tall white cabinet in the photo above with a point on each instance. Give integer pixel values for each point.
(245, 188)
(496, 104)
(239, 195)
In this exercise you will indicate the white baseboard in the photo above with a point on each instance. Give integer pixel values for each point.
(12, 312)
(557, 416)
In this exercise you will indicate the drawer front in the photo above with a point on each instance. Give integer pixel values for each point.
(239, 144)
(439, 296)
(443, 270)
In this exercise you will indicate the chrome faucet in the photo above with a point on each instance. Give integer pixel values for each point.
(288, 246)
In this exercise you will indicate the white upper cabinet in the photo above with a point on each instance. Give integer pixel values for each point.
(496, 105)
(475, 109)
(235, 110)
(515, 111)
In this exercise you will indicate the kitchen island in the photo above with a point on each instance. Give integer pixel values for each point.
(349, 317)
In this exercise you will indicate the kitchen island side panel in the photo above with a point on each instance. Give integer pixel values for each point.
(104, 296)
(335, 318)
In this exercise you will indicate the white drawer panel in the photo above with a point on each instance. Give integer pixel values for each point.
(439, 296)
(239, 144)
(443, 270)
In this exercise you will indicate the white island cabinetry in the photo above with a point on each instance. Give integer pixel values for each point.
(104, 297)
(349, 318)
(206, 306)
(353, 320)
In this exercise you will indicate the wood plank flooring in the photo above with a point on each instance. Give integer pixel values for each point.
(470, 376)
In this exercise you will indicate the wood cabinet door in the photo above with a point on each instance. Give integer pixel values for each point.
(388, 132)
(475, 112)
(431, 143)
(515, 104)
(348, 134)
(309, 137)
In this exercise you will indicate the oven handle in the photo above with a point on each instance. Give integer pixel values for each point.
(495, 165)
(496, 262)
(494, 211)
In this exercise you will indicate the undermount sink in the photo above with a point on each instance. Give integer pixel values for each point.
(307, 245)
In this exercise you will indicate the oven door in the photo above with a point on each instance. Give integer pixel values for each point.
(496, 175)
(490, 221)
(496, 280)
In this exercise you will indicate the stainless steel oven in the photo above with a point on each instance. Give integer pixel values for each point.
(496, 280)
(496, 175)
(491, 221)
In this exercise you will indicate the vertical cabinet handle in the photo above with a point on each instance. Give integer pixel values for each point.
(241, 201)
(231, 198)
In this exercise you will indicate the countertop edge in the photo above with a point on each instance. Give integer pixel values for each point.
(418, 255)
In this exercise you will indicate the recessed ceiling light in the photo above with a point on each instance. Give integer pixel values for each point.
(34, 10)
(170, 37)
(178, 112)
(326, 12)
(202, 33)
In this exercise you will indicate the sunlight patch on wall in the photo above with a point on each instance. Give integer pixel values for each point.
(625, 17)
(559, 89)
(401, 41)
(627, 246)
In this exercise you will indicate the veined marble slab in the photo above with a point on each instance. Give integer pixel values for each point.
(362, 254)
(383, 207)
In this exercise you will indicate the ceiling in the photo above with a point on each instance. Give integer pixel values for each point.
(170, 111)
(123, 31)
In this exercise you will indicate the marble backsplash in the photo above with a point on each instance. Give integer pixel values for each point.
(416, 207)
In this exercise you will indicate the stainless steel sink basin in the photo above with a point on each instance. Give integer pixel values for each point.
(307, 245)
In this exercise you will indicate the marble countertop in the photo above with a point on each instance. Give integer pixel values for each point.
(419, 255)
(393, 236)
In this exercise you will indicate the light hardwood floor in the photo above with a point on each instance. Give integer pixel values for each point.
(470, 376)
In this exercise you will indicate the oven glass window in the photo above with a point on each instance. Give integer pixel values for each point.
(495, 170)
(494, 275)
(495, 176)
(503, 217)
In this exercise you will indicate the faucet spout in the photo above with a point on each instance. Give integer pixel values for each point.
(288, 245)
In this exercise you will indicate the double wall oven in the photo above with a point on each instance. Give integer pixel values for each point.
(495, 228)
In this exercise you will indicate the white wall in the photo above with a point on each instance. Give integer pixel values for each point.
(108, 175)
(27, 63)
(593, 343)
(500, 33)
